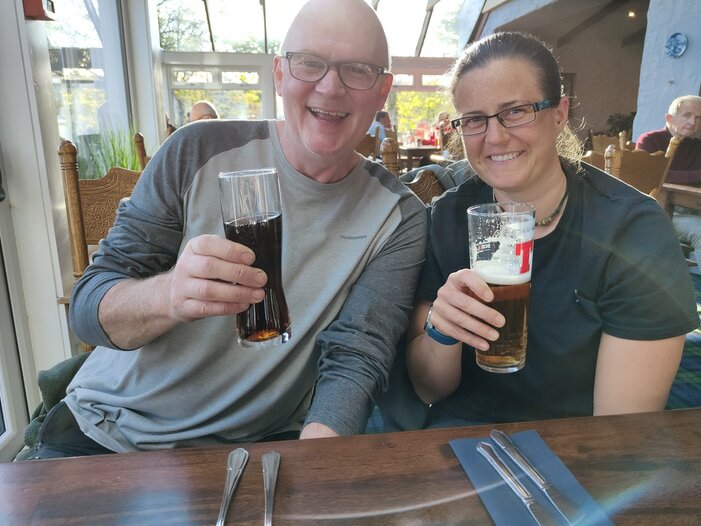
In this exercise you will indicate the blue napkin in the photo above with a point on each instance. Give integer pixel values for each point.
(505, 508)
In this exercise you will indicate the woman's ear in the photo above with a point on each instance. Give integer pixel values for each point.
(562, 111)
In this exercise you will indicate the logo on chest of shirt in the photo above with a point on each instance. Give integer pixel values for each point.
(351, 238)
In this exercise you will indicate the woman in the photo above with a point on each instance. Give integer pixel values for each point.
(611, 298)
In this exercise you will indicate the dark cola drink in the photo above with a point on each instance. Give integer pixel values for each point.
(268, 321)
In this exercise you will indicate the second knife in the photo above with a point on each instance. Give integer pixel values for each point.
(566, 508)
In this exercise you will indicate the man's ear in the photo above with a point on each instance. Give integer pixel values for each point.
(668, 118)
(277, 74)
(385, 87)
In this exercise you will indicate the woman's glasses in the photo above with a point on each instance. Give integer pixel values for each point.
(508, 118)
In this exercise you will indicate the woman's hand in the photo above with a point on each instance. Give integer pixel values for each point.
(434, 368)
(461, 310)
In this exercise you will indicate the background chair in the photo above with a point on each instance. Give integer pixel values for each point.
(91, 204)
(390, 155)
(367, 147)
(141, 150)
(642, 170)
(599, 143)
(425, 185)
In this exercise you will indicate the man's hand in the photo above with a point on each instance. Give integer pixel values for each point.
(317, 430)
(214, 277)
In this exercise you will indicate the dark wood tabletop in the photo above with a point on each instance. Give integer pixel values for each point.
(645, 469)
(679, 195)
(423, 150)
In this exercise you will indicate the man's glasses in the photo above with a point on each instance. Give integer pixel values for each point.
(353, 75)
(508, 118)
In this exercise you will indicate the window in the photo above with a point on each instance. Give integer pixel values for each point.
(86, 53)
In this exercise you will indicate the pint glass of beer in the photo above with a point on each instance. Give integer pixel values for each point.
(501, 252)
(252, 214)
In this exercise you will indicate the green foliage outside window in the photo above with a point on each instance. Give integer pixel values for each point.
(415, 109)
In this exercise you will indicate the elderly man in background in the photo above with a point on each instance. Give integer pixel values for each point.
(160, 297)
(683, 122)
(202, 110)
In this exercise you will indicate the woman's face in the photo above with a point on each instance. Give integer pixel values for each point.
(510, 159)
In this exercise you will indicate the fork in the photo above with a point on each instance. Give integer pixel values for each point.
(271, 463)
(234, 468)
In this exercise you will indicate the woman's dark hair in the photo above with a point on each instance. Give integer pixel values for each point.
(521, 46)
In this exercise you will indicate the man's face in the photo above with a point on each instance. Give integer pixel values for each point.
(687, 122)
(326, 119)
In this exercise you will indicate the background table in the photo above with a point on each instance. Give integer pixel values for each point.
(645, 469)
(679, 195)
(410, 152)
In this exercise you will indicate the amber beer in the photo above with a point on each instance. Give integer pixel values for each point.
(508, 353)
(252, 216)
(270, 318)
(501, 253)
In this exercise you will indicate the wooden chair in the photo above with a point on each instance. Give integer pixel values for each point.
(640, 169)
(390, 155)
(91, 204)
(426, 185)
(141, 150)
(599, 143)
(595, 159)
(368, 146)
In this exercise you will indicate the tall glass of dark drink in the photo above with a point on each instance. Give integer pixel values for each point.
(501, 252)
(252, 214)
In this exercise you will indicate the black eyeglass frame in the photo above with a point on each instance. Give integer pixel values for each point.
(379, 70)
(537, 106)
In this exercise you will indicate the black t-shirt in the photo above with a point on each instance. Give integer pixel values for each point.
(613, 264)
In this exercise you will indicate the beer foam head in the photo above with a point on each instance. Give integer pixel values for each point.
(493, 272)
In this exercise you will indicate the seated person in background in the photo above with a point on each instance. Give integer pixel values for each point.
(160, 297)
(683, 122)
(380, 125)
(611, 297)
(202, 110)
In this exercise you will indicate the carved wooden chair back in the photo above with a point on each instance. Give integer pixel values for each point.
(91, 204)
(595, 159)
(141, 150)
(426, 185)
(390, 155)
(640, 169)
(599, 143)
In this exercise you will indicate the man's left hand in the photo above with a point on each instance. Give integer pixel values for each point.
(317, 430)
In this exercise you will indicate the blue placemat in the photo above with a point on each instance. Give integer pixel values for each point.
(502, 504)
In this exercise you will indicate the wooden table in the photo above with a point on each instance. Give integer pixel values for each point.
(410, 152)
(679, 195)
(645, 469)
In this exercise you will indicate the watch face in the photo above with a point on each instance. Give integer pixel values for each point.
(676, 45)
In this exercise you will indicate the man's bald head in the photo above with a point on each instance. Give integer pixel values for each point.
(202, 110)
(350, 21)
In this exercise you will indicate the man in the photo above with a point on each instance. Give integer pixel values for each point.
(201, 110)
(380, 125)
(160, 297)
(683, 122)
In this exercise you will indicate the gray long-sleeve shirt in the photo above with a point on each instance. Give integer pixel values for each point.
(352, 252)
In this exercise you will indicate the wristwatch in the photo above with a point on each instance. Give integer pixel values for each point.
(435, 333)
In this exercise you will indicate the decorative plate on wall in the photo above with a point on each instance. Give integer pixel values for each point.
(676, 45)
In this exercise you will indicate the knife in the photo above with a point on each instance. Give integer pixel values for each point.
(542, 517)
(566, 508)
(234, 468)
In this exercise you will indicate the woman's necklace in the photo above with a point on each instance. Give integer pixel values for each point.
(546, 220)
